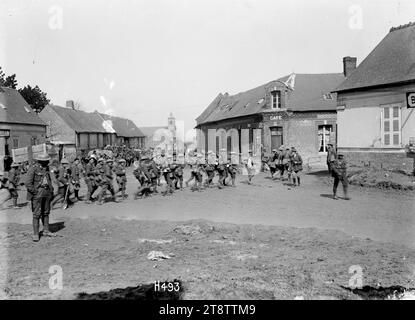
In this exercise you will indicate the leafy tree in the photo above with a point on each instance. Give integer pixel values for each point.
(9, 81)
(35, 97)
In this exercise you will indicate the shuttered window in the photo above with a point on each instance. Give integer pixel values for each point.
(391, 126)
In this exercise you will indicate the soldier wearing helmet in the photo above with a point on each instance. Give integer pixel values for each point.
(89, 178)
(14, 177)
(39, 193)
(121, 177)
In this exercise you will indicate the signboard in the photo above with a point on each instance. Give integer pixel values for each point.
(4, 133)
(410, 99)
(22, 154)
(275, 118)
(38, 149)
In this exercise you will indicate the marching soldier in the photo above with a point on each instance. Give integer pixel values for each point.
(166, 174)
(296, 166)
(331, 157)
(14, 177)
(272, 162)
(39, 192)
(250, 167)
(232, 169)
(89, 178)
(121, 177)
(178, 176)
(142, 175)
(285, 162)
(154, 173)
(107, 180)
(210, 173)
(172, 177)
(221, 169)
(340, 174)
(100, 179)
(63, 175)
(76, 171)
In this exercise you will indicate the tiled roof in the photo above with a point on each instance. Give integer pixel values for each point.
(123, 127)
(15, 109)
(308, 95)
(391, 61)
(79, 121)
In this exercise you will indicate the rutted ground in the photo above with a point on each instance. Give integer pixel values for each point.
(105, 247)
(216, 261)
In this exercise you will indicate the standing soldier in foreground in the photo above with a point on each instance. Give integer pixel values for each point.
(121, 177)
(340, 174)
(40, 192)
(296, 166)
(331, 157)
(14, 177)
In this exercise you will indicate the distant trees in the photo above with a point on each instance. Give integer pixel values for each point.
(34, 96)
(9, 81)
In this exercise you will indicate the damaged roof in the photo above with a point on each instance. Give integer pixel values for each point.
(123, 127)
(308, 94)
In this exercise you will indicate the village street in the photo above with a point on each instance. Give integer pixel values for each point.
(372, 213)
(268, 221)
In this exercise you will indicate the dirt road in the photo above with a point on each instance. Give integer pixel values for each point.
(275, 243)
(372, 213)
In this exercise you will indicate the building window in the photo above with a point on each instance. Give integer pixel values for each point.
(324, 132)
(391, 126)
(276, 99)
(15, 143)
(328, 96)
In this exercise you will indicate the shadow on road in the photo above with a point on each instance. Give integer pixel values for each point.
(325, 195)
(320, 173)
(55, 227)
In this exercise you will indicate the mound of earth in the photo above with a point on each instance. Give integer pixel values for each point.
(380, 178)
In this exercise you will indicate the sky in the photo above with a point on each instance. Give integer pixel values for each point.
(145, 59)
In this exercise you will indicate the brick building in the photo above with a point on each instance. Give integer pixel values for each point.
(20, 126)
(298, 110)
(376, 118)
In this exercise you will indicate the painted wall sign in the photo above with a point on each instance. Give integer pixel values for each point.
(275, 118)
(410, 99)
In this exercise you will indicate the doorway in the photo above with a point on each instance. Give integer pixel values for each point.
(276, 137)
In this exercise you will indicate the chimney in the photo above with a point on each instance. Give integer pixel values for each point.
(349, 65)
(70, 104)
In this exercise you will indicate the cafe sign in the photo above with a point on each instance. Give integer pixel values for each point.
(275, 117)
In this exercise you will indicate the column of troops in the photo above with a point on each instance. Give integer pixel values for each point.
(155, 174)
